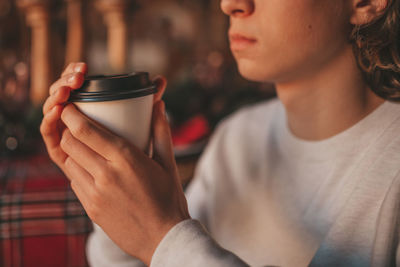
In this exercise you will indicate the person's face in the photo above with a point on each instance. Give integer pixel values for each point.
(284, 40)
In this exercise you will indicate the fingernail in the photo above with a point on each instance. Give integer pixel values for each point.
(78, 68)
(71, 79)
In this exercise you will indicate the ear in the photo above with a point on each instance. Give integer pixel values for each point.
(365, 11)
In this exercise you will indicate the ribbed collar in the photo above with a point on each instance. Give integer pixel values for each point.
(351, 141)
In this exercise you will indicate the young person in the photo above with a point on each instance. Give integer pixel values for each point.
(312, 178)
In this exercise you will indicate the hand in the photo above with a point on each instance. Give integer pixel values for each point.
(135, 199)
(51, 127)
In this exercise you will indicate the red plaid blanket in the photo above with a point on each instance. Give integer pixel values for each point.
(41, 221)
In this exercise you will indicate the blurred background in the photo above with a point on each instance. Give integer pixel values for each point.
(184, 40)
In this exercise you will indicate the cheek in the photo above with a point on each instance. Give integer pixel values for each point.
(294, 42)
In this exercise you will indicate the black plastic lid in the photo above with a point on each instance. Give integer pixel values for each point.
(115, 87)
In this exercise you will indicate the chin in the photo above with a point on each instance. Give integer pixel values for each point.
(255, 72)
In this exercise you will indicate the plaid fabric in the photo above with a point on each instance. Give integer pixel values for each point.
(41, 221)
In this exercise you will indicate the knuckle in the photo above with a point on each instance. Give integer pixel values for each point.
(119, 148)
(52, 88)
(45, 108)
(125, 152)
(44, 131)
(64, 114)
(103, 175)
(66, 141)
(42, 127)
(48, 104)
(57, 93)
(123, 146)
(82, 128)
(107, 172)
(104, 183)
(106, 177)
(45, 105)
(120, 145)
(68, 163)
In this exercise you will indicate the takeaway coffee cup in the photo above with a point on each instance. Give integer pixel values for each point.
(121, 103)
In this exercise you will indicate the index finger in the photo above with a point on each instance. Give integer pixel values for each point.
(99, 139)
(59, 97)
(75, 67)
(72, 80)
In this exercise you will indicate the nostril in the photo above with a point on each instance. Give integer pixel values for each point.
(237, 7)
(237, 12)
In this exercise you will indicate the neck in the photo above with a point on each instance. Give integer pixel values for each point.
(331, 100)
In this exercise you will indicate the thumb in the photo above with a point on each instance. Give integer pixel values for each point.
(163, 151)
(161, 84)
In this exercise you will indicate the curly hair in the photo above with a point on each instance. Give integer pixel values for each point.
(376, 47)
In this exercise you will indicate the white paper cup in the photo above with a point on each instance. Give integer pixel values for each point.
(122, 103)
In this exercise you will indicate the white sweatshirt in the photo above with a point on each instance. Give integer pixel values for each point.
(269, 198)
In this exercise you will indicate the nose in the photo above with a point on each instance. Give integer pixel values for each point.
(237, 8)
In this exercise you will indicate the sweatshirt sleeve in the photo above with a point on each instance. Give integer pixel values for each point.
(101, 251)
(189, 244)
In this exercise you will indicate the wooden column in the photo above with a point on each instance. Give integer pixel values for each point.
(75, 32)
(114, 13)
(37, 17)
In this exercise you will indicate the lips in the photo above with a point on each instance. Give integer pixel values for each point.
(241, 42)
